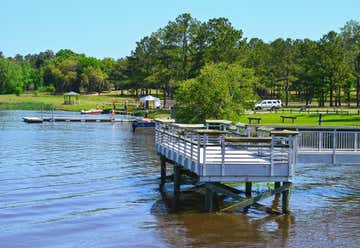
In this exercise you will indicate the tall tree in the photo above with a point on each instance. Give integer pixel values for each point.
(283, 65)
(334, 66)
(350, 34)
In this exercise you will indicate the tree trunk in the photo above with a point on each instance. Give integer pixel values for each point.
(358, 82)
(331, 95)
(358, 91)
(338, 97)
(157, 92)
(164, 96)
(287, 93)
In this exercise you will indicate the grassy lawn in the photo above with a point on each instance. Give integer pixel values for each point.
(30, 101)
(305, 119)
(45, 101)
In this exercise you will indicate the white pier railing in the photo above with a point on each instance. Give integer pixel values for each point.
(329, 140)
(214, 156)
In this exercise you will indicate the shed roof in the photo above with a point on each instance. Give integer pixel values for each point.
(71, 93)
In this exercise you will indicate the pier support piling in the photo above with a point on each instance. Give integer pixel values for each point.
(286, 198)
(177, 178)
(209, 200)
(248, 190)
(162, 170)
(276, 186)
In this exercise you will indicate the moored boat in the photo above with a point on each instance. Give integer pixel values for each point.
(91, 111)
(33, 119)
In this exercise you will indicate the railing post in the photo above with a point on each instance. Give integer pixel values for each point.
(184, 155)
(356, 141)
(320, 140)
(334, 146)
(222, 142)
(198, 153)
(204, 155)
(191, 151)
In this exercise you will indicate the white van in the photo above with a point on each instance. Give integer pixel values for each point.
(268, 104)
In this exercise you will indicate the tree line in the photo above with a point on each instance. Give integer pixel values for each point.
(327, 70)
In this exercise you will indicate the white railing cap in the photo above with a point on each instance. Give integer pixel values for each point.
(226, 122)
(284, 133)
(164, 120)
(188, 126)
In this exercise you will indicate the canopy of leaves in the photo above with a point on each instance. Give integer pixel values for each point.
(221, 91)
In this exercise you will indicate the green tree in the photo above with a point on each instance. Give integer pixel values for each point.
(93, 79)
(222, 41)
(220, 91)
(350, 35)
(10, 76)
(334, 67)
(283, 65)
(259, 58)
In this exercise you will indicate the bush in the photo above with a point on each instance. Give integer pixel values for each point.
(18, 91)
(51, 89)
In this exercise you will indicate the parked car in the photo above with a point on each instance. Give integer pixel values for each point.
(268, 104)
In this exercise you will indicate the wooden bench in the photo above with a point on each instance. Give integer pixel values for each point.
(258, 119)
(293, 118)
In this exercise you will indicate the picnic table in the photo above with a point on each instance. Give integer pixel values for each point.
(293, 118)
(258, 119)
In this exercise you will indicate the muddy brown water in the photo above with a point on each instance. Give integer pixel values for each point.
(94, 185)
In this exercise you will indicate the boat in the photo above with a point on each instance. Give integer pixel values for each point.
(91, 111)
(144, 122)
(33, 119)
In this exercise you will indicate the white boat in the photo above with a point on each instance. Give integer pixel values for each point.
(91, 111)
(33, 119)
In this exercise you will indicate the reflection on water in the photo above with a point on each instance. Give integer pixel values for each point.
(94, 185)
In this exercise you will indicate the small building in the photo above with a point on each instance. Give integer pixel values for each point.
(71, 97)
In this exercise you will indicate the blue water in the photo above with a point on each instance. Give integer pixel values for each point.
(94, 185)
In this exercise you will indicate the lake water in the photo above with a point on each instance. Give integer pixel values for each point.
(94, 185)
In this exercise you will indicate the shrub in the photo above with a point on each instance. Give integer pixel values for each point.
(18, 90)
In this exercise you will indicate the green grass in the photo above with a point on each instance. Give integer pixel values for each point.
(44, 101)
(305, 119)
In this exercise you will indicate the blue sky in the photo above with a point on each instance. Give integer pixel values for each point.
(110, 28)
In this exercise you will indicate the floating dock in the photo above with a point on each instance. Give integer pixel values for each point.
(77, 119)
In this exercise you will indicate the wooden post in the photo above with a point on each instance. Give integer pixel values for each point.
(209, 200)
(162, 170)
(248, 189)
(177, 175)
(286, 198)
(276, 186)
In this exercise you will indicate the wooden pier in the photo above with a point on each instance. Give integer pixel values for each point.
(212, 158)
